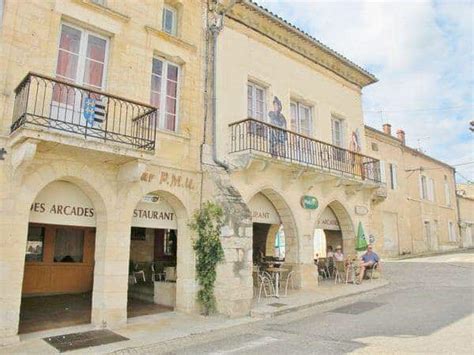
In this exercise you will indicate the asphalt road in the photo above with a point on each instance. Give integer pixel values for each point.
(427, 308)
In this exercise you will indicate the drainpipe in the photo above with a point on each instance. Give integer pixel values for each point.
(214, 31)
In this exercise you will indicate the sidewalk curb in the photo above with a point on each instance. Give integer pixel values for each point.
(290, 309)
(428, 254)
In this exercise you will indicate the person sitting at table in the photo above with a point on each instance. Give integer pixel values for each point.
(338, 255)
(368, 261)
(329, 252)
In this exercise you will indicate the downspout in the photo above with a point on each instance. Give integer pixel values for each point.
(214, 31)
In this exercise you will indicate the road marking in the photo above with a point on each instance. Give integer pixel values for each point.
(250, 345)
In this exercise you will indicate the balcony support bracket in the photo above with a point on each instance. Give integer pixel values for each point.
(22, 155)
(132, 171)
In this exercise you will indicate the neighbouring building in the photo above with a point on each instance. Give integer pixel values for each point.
(465, 200)
(416, 211)
(101, 110)
(290, 150)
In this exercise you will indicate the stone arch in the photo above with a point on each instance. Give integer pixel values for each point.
(25, 190)
(185, 283)
(287, 219)
(345, 222)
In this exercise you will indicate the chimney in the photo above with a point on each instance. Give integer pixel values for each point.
(401, 135)
(387, 129)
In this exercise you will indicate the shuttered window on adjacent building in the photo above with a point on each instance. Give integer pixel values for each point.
(393, 176)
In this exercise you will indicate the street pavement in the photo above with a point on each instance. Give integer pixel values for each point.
(426, 309)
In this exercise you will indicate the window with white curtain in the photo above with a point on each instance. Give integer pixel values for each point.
(164, 93)
(82, 59)
(69, 245)
(301, 118)
(256, 105)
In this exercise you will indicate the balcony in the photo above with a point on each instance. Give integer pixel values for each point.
(56, 105)
(256, 137)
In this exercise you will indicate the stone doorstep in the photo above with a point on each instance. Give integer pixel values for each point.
(266, 311)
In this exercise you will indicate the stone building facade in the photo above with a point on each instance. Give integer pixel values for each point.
(417, 210)
(86, 116)
(465, 201)
(289, 129)
(119, 116)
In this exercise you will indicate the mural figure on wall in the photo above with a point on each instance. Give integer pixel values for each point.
(355, 145)
(277, 137)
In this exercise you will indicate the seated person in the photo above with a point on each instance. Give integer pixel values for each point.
(338, 255)
(368, 260)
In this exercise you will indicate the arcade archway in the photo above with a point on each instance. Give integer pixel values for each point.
(59, 259)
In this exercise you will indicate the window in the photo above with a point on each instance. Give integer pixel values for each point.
(451, 232)
(169, 24)
(431, 189)
(393, 176)
(164, 93)
(99, 2)
(447, 192)
(301, 118)
(34, 244)
(375, 147)
(338, 132)
(69, 245)
(423, 187)
(81, 60)
(256, 101)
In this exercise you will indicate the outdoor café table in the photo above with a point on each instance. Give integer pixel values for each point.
(277, 271)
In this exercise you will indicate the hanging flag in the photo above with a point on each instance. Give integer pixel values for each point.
(94, 111)
(361, 242)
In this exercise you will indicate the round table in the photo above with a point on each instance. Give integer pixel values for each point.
(277, 271)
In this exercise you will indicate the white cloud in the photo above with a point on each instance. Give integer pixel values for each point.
(422, 53)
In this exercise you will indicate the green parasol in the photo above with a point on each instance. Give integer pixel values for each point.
(361, 243)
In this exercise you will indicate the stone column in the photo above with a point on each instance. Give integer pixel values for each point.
(112, 252)
(234, 284)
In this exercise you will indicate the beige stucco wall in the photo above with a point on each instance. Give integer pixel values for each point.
(243, 56)
(405, 204)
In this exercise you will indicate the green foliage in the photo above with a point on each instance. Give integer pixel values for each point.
(207, 222)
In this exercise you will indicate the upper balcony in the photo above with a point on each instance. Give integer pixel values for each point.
(80, 113)
(271, 142)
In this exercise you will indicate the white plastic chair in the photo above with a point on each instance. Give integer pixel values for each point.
(266, 285)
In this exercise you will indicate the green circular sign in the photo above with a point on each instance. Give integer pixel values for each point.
(309, 202)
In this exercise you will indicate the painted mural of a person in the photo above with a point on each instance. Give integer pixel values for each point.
(277, 137)
(355, 146)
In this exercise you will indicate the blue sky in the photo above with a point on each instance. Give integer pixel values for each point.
(422, 54)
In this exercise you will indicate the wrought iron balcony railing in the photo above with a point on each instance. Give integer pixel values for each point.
(59, 105)
(253, 135)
